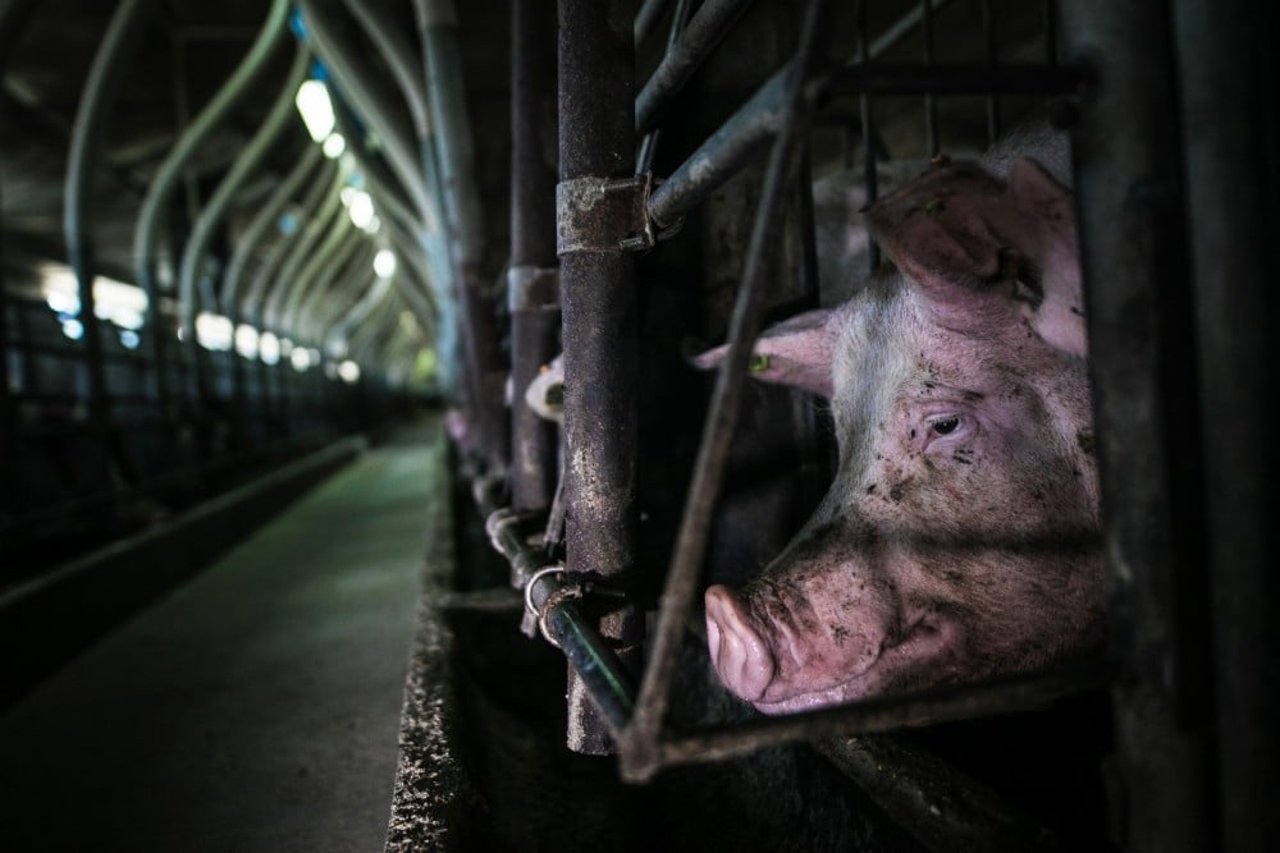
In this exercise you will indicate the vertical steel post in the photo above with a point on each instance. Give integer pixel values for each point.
(533, 291)
(597, 292)
(1227, 76)
(1133, 256)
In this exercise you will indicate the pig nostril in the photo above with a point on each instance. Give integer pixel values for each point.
(738, 654)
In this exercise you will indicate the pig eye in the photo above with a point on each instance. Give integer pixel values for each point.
(946, 426)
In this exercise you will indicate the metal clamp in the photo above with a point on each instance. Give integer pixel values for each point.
(595, 214)
(554, 598)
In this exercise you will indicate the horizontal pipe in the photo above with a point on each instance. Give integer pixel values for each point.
(705, 30)
(871, 716)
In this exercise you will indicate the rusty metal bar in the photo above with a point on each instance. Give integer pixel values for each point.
(533, 289)
(598, 296)
(647, 19)
(639, 745)
(872, 716)
(704, 32)
(1227, 76)
(869, 153)
(649, 144)
(1135, 269)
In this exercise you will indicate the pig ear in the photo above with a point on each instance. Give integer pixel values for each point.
(986, 251)
(796, 352)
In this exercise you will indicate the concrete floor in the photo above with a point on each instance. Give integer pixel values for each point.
(256, 707)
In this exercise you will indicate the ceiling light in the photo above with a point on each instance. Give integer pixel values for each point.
(316, 108)
(384, 263)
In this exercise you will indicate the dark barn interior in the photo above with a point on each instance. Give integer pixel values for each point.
(424, 426)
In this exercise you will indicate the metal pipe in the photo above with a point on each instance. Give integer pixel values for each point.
(647, 19)
(535, 314)
(266, 275)
(355, 77)
(704, 32)
(598, 295)
(100, 91)
(931, 142)
(329, 223)
(455, 158)
(394, 48)
(939, 805)
(869, 716)
(162, 185)
(263, 221)
(898, 30)
(246, 162)
(1225, 75)
(341, 241)
(343, 288)
(989, 48)
(713, 451)
(649, 144)
(338, 331)
(1134, 265)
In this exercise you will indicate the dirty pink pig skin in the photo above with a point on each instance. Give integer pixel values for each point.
(959, 539)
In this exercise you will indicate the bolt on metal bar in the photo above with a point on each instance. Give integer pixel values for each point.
(722, 416)
(704, 32)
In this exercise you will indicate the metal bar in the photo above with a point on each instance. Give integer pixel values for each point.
(437, 21)
(899, 30)
(1226, 75)
(100, 91)
(989, 47)
(215, 210)
(873, 716)
(265, 220)
(328, 225)
(949, 79)
(1135, 268)
(869, 153)
(354, 76)
(342, 240)
(931, 142)
(704, 32)
(355, 248)
(535, 323)
(647, 19)
(639, 746)
(649, 145)
(161, 187)
(940, 806)
(340, 290)
(598, 294)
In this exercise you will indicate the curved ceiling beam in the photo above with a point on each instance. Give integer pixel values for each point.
(253, 306)
(331, 258)
(336, 296)
(246, 162)
(364, 95)
(327, 219)
(266, 217)
(100, 90)
(197, 132)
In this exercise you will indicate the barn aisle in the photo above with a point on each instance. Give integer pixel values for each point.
(256, 707)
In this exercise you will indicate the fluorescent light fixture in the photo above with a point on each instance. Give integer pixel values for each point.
(350, 372)
(384, 263)
(214, 332)
(299, 359)
(269, 348)
(73, 329)
(246, 341)
(333, 146)
(286, 346)
(122, 304)
(360, 209)
(316, 108)
(375, 225)
(129, 339)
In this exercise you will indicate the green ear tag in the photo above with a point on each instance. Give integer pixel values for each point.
(759, 363)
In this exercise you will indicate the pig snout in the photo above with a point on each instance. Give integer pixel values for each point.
(795, 650)
(738, 652)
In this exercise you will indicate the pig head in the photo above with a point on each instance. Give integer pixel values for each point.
(959, 539)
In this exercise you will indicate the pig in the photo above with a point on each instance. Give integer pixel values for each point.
(960, 537)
